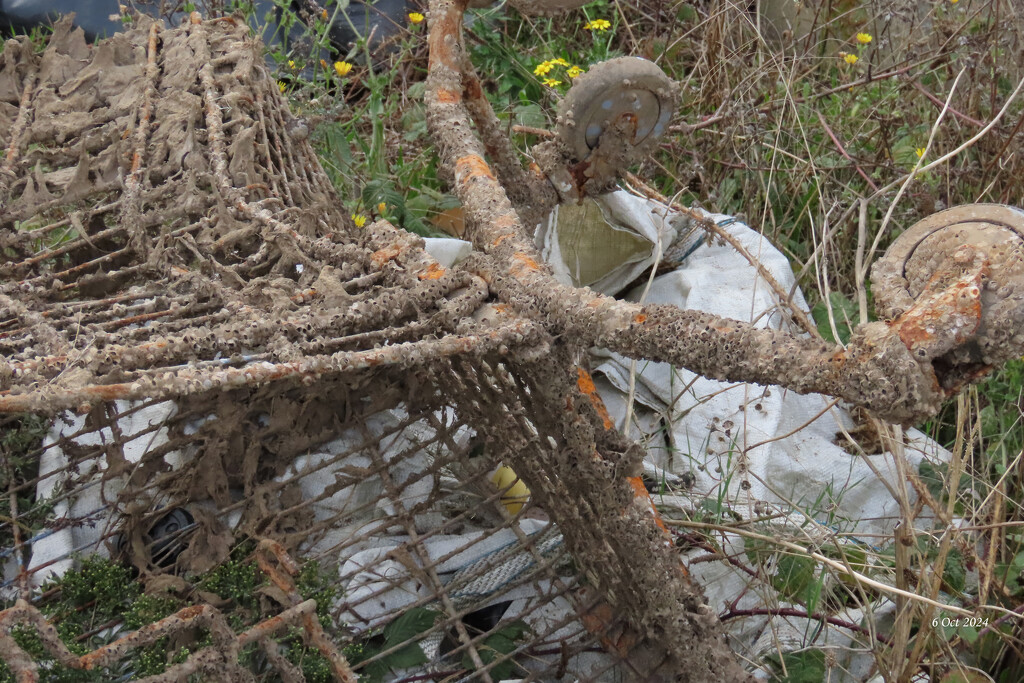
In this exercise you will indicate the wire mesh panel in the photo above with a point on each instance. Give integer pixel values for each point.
(165, 224)
(434, 567)
(235, 375)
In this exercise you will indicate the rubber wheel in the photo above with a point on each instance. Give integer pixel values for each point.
(912, 261)
(627, 87)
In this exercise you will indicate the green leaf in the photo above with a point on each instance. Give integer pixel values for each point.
(530, 115)
(933, 478)
(793, 575)
(969, 634)
(515, 630)
(904, 150)
(407, 626)
(845, 313)
(686, 14)
(409, 656)
(501, 642)
(965, 677)
(713, 506)
(414, 122)
(955, 573)
(419, 208)
(380, 190)
(374, 672)
(813, 593)
(339, 147)
(807, 666)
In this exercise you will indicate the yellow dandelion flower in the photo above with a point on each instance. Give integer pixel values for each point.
(560, 62)
(551, 82)
(359, 219)
(342, 68)
(599, 25)
(864, 38)
(323, 14)
(573, 71)
(281, 85)
(291, 64)
(416, 17)
(849, 58)
(382, 208)
(954, 1)
(919, 152)
(323, 63)
(543, 68)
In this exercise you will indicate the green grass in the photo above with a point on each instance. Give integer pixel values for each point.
(103, 600)
(20, 439)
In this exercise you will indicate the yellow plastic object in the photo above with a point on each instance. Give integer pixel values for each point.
(515, 493)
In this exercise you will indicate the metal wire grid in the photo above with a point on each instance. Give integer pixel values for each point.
(168, 267)
(428, 489)
(174, 238)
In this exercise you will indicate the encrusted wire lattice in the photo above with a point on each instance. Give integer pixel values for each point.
(229, 348)
(238, 375)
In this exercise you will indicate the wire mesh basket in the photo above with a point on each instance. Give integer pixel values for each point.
(230, 360)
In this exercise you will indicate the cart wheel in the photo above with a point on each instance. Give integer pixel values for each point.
(546, 7)
(629, 97)
(934, 252)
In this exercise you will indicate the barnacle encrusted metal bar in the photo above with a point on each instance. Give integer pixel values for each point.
(876, 369)
(657, 594)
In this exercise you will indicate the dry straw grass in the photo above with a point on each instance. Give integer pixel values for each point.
(832, 160)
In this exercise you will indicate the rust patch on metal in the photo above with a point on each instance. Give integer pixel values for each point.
(521, 263)
(600, 621)
(943, 319)
(446, 96)
(443, 24)
(472, 166)
(640, 491)
(586, 385)
(382, 256)
(505, 221)
(433, 272)
(472, 88)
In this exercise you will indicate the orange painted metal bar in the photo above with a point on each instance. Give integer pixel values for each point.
(474, 178)
(530, 191)
(876, 369)
(268, 549)
(586, 385)
(142, 134)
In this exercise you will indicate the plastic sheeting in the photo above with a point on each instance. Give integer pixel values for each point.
(378, 21)
(741, 450)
